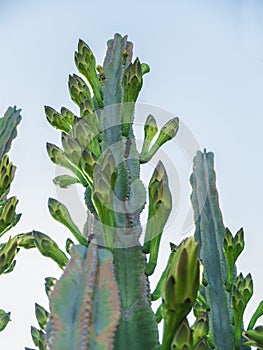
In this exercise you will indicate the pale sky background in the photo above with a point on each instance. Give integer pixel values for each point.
(206, 61)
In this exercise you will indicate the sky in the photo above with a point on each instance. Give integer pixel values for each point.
(206, 60)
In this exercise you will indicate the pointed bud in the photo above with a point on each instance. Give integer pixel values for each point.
(79, 90)
(60, 213)
(183, 338)
(68, 116)
(200, 328)
(9, 211)
(233, 246)
(8, 252)
(38, 337)
(132, 81)
(50, 249)
(86, 64)
(4, 319)
(25, 240)
(72, 148)
(201, 345)
(42, 316)
(168, 132)
(255, 337)
(56, 120)
(150, 130)
(7, 172)
(182, 283)
(160, 206)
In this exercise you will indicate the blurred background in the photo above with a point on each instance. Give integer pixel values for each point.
(206, 60)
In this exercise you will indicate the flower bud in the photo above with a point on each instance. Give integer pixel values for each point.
(49, 248)
(181, 286)
(56, 120)
(4, 319)
(41, 315)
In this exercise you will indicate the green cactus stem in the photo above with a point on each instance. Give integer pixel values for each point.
(210, 235)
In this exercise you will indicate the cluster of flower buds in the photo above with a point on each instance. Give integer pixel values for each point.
(62, 121)
(167, 133)
(86, 64)
(160, 206)
(233, 247)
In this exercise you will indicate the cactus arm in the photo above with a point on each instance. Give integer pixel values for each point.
(86, 287)
(210, 234)
(134, 331)
(137, 327)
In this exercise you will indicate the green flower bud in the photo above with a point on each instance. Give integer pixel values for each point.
(60, 213)
(57, 120)
(86, 64)
(200, 345)
(132, 81)
(168, 132)
(160, 206)
(233, 246)
(50, 249)
(4, 319)
(7, 172)
(150, 130)
(86, 137)
(79, 90)
(8, 252)
(181, 286)
(58, 157)
(255, 337)
(9, 211)
(183, 338)
(200, 328)
(72, 149)
(241, 294)
(25, 240)
(68, 116)
(42, 316)
(38, 337)
(145, 68)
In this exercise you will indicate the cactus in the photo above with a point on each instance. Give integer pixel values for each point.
(103, 299)
(99, 149)
(224, 295)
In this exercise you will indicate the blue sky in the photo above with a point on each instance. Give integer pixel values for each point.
(206, 61)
